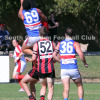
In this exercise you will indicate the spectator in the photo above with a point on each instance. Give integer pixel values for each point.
(4, 44)
(53, 25)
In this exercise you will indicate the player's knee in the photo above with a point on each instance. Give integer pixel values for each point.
(66, 89)
(13, 76)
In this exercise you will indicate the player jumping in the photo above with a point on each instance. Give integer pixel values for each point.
(32, 18)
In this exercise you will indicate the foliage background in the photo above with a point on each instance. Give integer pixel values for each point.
(81, 15)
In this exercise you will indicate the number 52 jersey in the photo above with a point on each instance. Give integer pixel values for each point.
(67, 54)
(32, 22)
(45, 60)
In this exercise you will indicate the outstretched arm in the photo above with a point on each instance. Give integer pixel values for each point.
(80, 53)
(43, 17)
(20, 15)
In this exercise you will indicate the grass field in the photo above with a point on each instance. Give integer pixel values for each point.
(93, 71)
(10, 92)
(91, 90)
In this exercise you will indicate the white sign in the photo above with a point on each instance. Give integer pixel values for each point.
(4, 69)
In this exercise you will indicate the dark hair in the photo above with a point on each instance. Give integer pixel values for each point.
(33, 3)
(43, 31)
(18, 41)
(69, 32)
(26, 4)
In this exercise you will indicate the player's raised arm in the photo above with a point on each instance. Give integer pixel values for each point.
(20, 15)
(55, 53)
(80, 53)
(43, 17)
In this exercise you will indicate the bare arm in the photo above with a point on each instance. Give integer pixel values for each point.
(20, 15)
(56, 54)
(43, 17)
(34, 56)
(20, 55)
(80, 53)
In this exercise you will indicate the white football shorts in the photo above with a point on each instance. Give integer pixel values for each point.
(72, 73)
(20, 66)
(30, 41)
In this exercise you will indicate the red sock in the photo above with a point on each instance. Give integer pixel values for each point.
(20, 83)
(19, 78)
(42, 97)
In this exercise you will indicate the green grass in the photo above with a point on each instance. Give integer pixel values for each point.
(10, 92)
(93, 71)
(91, 90)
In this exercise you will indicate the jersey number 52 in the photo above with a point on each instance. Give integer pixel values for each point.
(45, 47)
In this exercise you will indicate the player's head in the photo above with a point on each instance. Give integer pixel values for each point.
(43, 31)
(69, 32)
(26, 4)
(16, 42)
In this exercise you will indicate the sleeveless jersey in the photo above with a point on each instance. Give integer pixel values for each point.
(45, 60)
(32, 22)
(67, 54)
(17, 51)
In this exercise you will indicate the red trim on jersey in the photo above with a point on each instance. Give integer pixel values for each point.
(43, 65)
(43, 39)
(19, 66)
(45, 24)
(37, 10)
(74, 45)
(33, 24)
(18, 48)
(49, 64)
(67, 56)
(26, 41)
(33, 71)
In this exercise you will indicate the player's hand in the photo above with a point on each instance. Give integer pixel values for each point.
(15, 61)
(28, 59)
(21, 1)
(11, 55)
(86, 65)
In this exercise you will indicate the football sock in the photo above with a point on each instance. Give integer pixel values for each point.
(66, 99)
(42, 97)
(19, 76)
(80, 99)
(20, 83)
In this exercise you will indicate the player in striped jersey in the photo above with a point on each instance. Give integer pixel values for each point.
(69, 68)
(20, 63)
(32, 18)
(43, 50)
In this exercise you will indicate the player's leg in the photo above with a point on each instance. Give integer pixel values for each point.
(28, 43)
(24, 82)
(32, 88)
(66, 87)
(50, 82)
(66, 83)
(43, 88)
(78, 82)
(26, 49)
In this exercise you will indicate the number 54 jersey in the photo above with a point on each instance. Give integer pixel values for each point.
(67, 54)
(32, 22)
(45, 60)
